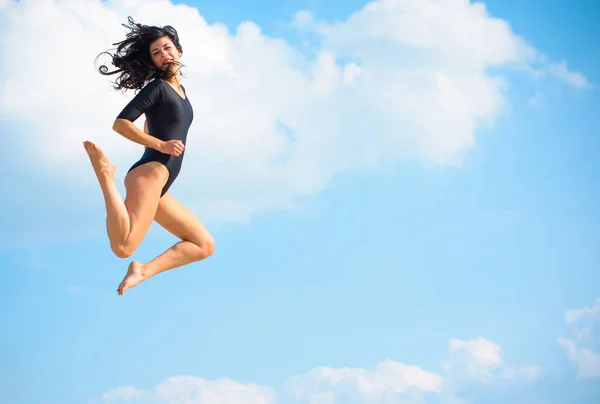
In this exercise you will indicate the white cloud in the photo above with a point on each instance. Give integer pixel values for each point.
(582, 349)
(584, 313)
(573, 78)
(122, 393)
(387, 378)
(586, 360)
(479, 361)
(480, 357)
(397, 79)
(190, 390)
(388, 382)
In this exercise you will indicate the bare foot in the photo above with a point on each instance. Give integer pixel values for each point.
(134, 276)
(101, 164)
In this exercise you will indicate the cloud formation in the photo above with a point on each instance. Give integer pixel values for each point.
(189, 389)
(480, 360)
(583, 346)
(477, 362)
(397, 80)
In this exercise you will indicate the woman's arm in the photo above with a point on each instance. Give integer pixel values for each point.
(128, 129)
(143, 101)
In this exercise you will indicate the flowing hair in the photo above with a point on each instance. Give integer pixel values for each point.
(132, 56)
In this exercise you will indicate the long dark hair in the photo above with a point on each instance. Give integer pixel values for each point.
(132, 56)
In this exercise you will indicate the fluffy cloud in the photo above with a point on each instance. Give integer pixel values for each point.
(188, 389)
(397, 79)
(585, 313)
(480, 360)
(389, 382)
(583, 347)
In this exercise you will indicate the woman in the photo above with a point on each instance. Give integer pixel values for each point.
(150, 54)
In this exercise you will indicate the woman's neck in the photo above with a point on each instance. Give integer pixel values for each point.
(174, 80)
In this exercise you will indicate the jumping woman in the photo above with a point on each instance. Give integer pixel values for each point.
(148, 62)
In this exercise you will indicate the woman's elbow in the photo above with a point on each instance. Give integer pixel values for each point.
(118, 124)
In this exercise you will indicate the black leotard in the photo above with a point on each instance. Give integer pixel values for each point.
(169, 117)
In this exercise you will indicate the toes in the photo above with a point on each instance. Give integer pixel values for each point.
(90, 146)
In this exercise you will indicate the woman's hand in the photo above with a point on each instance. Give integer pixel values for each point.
(173, 147)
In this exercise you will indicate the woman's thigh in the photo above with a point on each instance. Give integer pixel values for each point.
(182, 223)
(144, 185)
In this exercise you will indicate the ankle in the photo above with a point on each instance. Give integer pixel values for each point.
(145, 270)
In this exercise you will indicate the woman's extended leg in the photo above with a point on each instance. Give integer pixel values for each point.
(128, 221)
(196, 244)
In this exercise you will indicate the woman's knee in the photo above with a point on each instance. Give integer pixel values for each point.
(122, 250)
(210, 247)
(206, 247)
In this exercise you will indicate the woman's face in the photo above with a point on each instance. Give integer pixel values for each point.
(164, 53)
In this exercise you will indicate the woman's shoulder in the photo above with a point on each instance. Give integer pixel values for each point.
(151, 88)
(153, 84)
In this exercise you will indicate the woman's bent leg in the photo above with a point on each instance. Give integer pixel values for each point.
(144, 185)
(196, 244)
(128, 221)
(117, 218)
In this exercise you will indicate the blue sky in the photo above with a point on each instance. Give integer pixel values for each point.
(370, 264)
